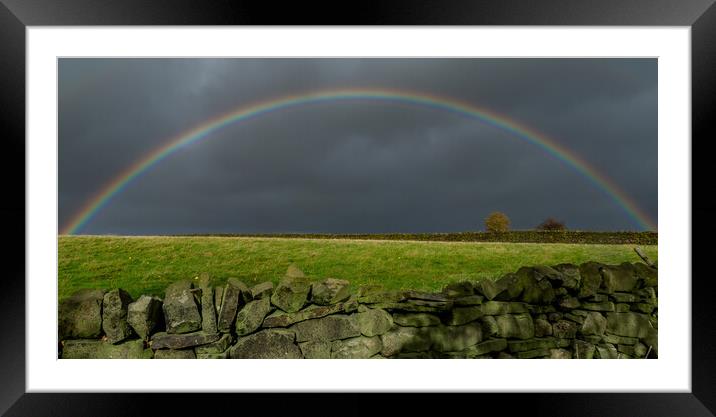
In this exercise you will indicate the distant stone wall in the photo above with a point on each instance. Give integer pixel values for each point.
(590, 311)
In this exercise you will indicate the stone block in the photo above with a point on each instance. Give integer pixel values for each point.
(583, 350)
(174, 354)
(231, 301)
(591, 279)
(626, 349)
(114, 315)
(426, 296)
(163, 340)
(405, 339)
(542, 272)
(570, 275)
(266, 344)
(330, 291)
(459, 289)
(356, 348)
(438, 305)
(316, 350)
(594, 324)
(219, 346)
(218, 296)
(629, 324)
(517, 326)
(99, 349)
(262, 290)
(369, 289)
(491, 289)
(218, 355)
(80, 315)
(639, 350)
(382, 297)
(208, 311)
(181, 314)
(374, 322)
(605, 306)
(282, 319)
(250, 317)
(619, 340)
(564, 329)
(575, 318)
(328, 328)
(513, 285)
(620, 278)
(145, 315)
(542, 328)
(606, 351)
(542, 293)
(560, 354)
(291, 294)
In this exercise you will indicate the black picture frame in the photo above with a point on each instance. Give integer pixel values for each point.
(15, 15)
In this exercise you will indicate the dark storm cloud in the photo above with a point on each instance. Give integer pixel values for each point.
(355, 166)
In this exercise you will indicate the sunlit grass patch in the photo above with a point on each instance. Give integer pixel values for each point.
(146, 265)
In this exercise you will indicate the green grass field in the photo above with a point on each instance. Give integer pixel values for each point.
(146, 265)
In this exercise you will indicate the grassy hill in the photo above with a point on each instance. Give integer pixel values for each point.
(146, 265)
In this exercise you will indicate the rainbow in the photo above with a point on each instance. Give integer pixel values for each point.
(206, 129)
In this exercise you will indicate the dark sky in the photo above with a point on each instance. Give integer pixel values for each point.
(358, 166)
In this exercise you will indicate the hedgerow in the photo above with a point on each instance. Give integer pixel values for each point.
(515, 236)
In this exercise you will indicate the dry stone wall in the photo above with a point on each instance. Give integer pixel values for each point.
(588, 311)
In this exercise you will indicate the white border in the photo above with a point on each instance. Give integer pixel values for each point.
(671, 372)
